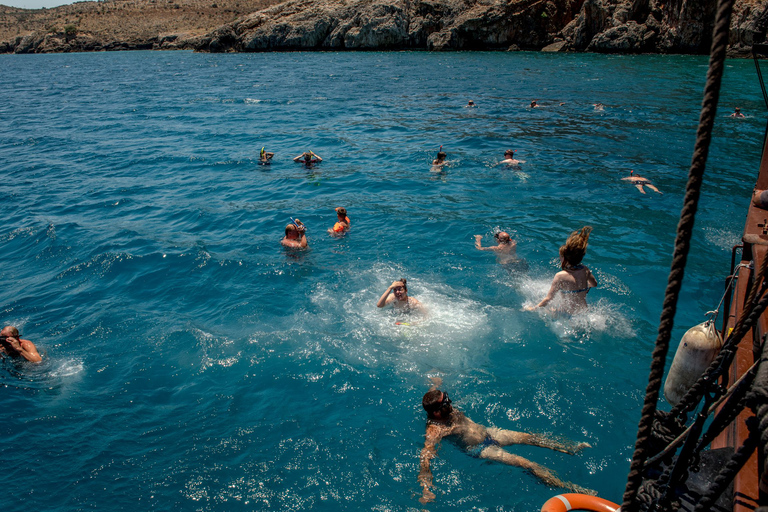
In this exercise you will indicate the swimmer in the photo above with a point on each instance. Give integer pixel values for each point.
(295, 235)
(640, 182)
(397, 295)
(534, 104)
(308, 158)
(483, 443)
(265, 157)
(505, 251)
(342, 223)
(471, 104)
(12, 345)
(737, 113)
(440, 160)
(575, 280)
(599, 106)
(509, 158)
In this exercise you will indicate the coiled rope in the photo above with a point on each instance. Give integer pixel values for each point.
(682, 246)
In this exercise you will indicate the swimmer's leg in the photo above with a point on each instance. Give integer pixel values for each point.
(545, 475)
(652, 187)
(640, 188)
(507, 437)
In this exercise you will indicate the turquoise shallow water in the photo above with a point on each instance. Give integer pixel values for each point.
(192, 364)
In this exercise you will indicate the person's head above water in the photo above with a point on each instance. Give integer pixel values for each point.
(503, 237)
(575, 247)
(509, 153)
(401, 290)
(341, 211)
(294, 230)
(437, 404)
(441, 155)
(737, 109)
(471, 103)
(291, 231)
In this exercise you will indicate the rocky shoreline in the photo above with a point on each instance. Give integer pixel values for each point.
(604, 26)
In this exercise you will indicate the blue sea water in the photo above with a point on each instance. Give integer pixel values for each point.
(191, 363)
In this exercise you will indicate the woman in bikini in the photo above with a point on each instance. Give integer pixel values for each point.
(575, 280)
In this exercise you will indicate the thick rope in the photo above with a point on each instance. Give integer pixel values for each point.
(682, 246)
(729, 471)
(758, 398)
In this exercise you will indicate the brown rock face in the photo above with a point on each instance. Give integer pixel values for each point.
(608, 26)
(404, 24)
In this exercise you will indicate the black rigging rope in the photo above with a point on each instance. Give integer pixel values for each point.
(682, 246)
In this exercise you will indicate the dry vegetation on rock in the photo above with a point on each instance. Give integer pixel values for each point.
(132, 20)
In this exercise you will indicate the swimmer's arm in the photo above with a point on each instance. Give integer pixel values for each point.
(591, 281)
(300, 157)
(295, 244)
(428, 452)
(386, 298)
(479, 246)
(27, 350)
(551, 295)
(316, 156)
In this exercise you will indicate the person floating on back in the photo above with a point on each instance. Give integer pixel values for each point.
(575, 280)
(12, 345)
(640, 182)
(481, 442)
(295, 235)
(342, 223)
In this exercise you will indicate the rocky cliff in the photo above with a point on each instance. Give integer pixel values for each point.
(621, 26)
(117, 24)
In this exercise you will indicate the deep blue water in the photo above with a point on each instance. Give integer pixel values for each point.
(190, 363)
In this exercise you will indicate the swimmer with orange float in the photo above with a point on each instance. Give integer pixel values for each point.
(342, 223)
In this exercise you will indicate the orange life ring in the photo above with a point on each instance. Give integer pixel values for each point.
(566, 502)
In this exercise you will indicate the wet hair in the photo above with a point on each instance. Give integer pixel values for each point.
(509, 152)
(290, 227)
(432, 400)
(575, 247)
(507, 238)
(341, 211)
(405, 286)
(441, 154)
(10, 331)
